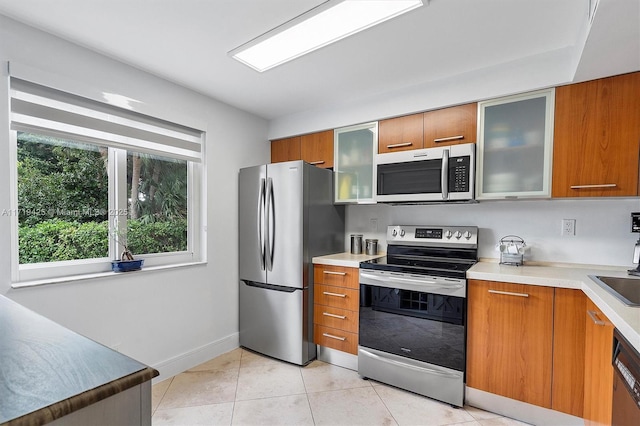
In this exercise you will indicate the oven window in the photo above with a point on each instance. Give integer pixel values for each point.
(423, 326)
(417, 177)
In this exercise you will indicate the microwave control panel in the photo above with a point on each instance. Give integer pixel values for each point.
(459, 169)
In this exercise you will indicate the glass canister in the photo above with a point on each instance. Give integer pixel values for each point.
(371, 247)
(356, 243)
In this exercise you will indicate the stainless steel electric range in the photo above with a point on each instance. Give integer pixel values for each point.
(413, 310)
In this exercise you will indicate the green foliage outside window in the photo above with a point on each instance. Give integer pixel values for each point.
(63, 201)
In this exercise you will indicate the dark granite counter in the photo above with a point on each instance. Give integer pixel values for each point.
(48, 371)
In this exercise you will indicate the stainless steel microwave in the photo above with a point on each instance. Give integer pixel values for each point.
(427, 175)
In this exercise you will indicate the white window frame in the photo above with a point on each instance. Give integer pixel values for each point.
(117, 193)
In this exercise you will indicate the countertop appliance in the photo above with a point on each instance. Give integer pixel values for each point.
(413, 310)
(626, 383)
(426, 175)
(286, 216)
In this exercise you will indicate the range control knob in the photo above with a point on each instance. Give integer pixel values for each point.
(457, 235)
(402, 232)
(394, 233)
(467, 235)
(448, 234)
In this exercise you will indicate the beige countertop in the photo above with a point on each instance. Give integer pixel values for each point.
(625, 318)
(345, 259)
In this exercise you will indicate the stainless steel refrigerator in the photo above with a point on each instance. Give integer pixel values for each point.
(286, 217)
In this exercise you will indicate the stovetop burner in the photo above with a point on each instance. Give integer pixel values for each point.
(436, 251)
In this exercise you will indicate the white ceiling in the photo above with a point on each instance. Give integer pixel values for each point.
(186, 41)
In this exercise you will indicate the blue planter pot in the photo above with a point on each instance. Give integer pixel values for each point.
(126, 265)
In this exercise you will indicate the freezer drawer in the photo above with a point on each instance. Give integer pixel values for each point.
(274, 321)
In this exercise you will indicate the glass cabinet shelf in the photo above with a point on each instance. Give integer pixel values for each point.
(515, 146)
(354, 172)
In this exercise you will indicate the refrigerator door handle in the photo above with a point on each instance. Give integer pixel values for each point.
(271, 210)
(261, 224)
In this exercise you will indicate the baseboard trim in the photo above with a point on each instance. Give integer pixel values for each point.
(519, 410)
(197, 356)
(339, 358)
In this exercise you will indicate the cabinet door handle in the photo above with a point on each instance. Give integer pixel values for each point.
(331, 336)
(315, 163)
(399, 145)
(328, 293)
(334, 273)
(602, 185)
(508, 293)
(450, 138)
(327, 314)
(594, 317)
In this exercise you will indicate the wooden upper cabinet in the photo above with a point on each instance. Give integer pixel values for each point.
(597, 138)
(450, 126)
(400, 133)
(567, 391)
(598, 372)
(509, 340)
(317, 148)
(285, 149)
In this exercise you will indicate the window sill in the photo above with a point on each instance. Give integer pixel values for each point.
(73, 278)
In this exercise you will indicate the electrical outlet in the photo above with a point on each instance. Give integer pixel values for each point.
(373, 224)
(568, 227)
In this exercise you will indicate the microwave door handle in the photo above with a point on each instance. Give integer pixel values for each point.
(444, 174)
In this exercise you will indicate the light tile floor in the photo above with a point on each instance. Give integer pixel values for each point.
(244, 388)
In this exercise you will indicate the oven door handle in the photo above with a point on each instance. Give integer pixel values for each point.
(403, 280)
(412, 367)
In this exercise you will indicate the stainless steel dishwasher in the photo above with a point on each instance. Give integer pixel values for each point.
(626, 383)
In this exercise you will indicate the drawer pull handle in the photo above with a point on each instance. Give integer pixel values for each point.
(399, 145)
(508, 293)
(594, 317)
(331, 336)
(334, 273)
(327, 314)
(314, 163)
(450, 138)
(602, 185)
(328, 293)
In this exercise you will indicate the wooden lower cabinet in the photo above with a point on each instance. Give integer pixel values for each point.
(598, 377)
(510, 338)
(336, 305)
(567, 383)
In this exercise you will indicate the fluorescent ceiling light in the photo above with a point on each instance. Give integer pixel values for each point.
(323, 25)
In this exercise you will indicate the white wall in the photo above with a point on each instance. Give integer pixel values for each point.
(603, 227)
(170, 319)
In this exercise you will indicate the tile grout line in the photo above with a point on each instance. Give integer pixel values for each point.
(163, 395)
(306, 393)
(385, 405)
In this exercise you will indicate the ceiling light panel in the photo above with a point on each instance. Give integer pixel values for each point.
(326, 24)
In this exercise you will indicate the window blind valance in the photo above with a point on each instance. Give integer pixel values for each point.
(56, 113)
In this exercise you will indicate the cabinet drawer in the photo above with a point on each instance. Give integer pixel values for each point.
(341, 319)
(339, 276)
(336, 297)
(336, 339)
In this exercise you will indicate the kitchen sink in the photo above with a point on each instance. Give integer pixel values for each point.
(626, 290)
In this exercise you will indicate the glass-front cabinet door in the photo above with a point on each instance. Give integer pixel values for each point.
(354, 171)
(515, 146)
